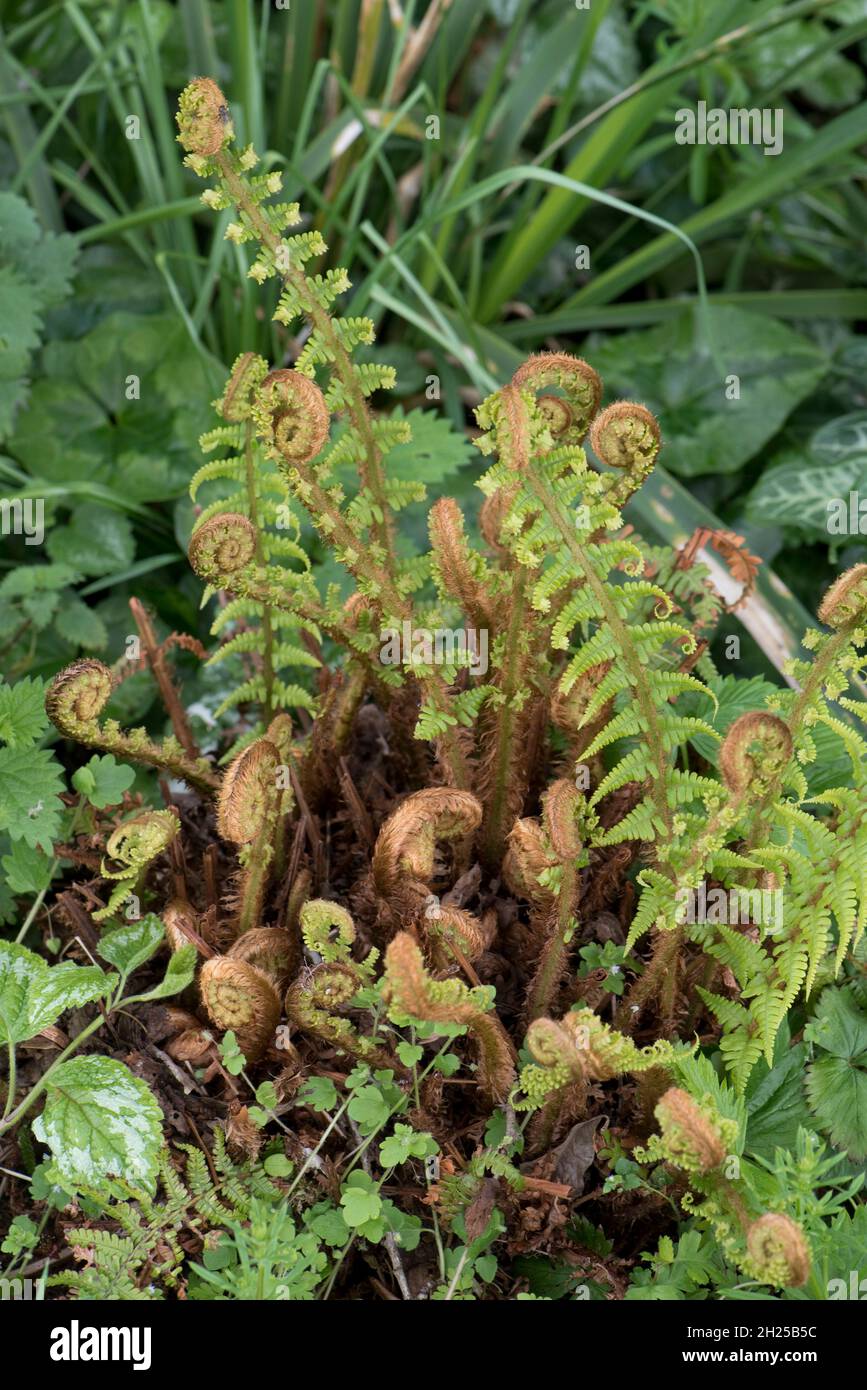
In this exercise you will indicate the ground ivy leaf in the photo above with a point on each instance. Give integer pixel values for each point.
(319, 1092)
(360, 1206)
(103, 781)
(98, 1120)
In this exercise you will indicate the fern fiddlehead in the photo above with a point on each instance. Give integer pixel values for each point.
(240, 997)
(130, 850)
(404, 853)
(247, 814)
(331, 340)
(410, 990)
(76, 698)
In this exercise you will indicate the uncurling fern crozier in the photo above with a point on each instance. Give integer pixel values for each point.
(432, 849)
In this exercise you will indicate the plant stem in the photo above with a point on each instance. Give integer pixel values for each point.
(157, 662)
(9, 1122)
(371, 468)
(10, 1093)
(550, 971)
(267, 630)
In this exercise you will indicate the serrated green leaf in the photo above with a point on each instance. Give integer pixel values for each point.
(79, 625)
(30, 805)
(837, 1079)
(100, 1120)
(33, 995)
(27, 869)
(126, 948)
(22, 712)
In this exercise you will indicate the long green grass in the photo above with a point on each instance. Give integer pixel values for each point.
(553, 127)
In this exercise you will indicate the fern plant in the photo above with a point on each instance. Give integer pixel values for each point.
(566, 771)
(267, 640)
(143, 1253)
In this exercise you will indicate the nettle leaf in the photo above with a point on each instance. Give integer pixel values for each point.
(22, 712)
(100, 1120)
(33, 995)
(27, 869)
(103, 781)
(30, 806)
(435, 452)
(79, 625)
(837, 1080)
(36, 274)
(673, 374)
(128, 947)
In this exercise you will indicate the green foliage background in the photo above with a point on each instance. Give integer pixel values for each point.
(122, 307)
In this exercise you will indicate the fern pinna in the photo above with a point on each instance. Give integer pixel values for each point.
(269, 637)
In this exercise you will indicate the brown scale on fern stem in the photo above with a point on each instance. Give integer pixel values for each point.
(755, 753)
(272, 950)
(74, 701)
(568, 416)
(222, 547)
(248, 793)
(492, 514)
(567, 711)
(625, 434)
(291, 416)
(404, 854)
(313, 1003)
(454, 933)
(247, 813)
(452, 557)
(845, 604)
(203, 118)
(560, 808)
(412, 991)
(778, 1250)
